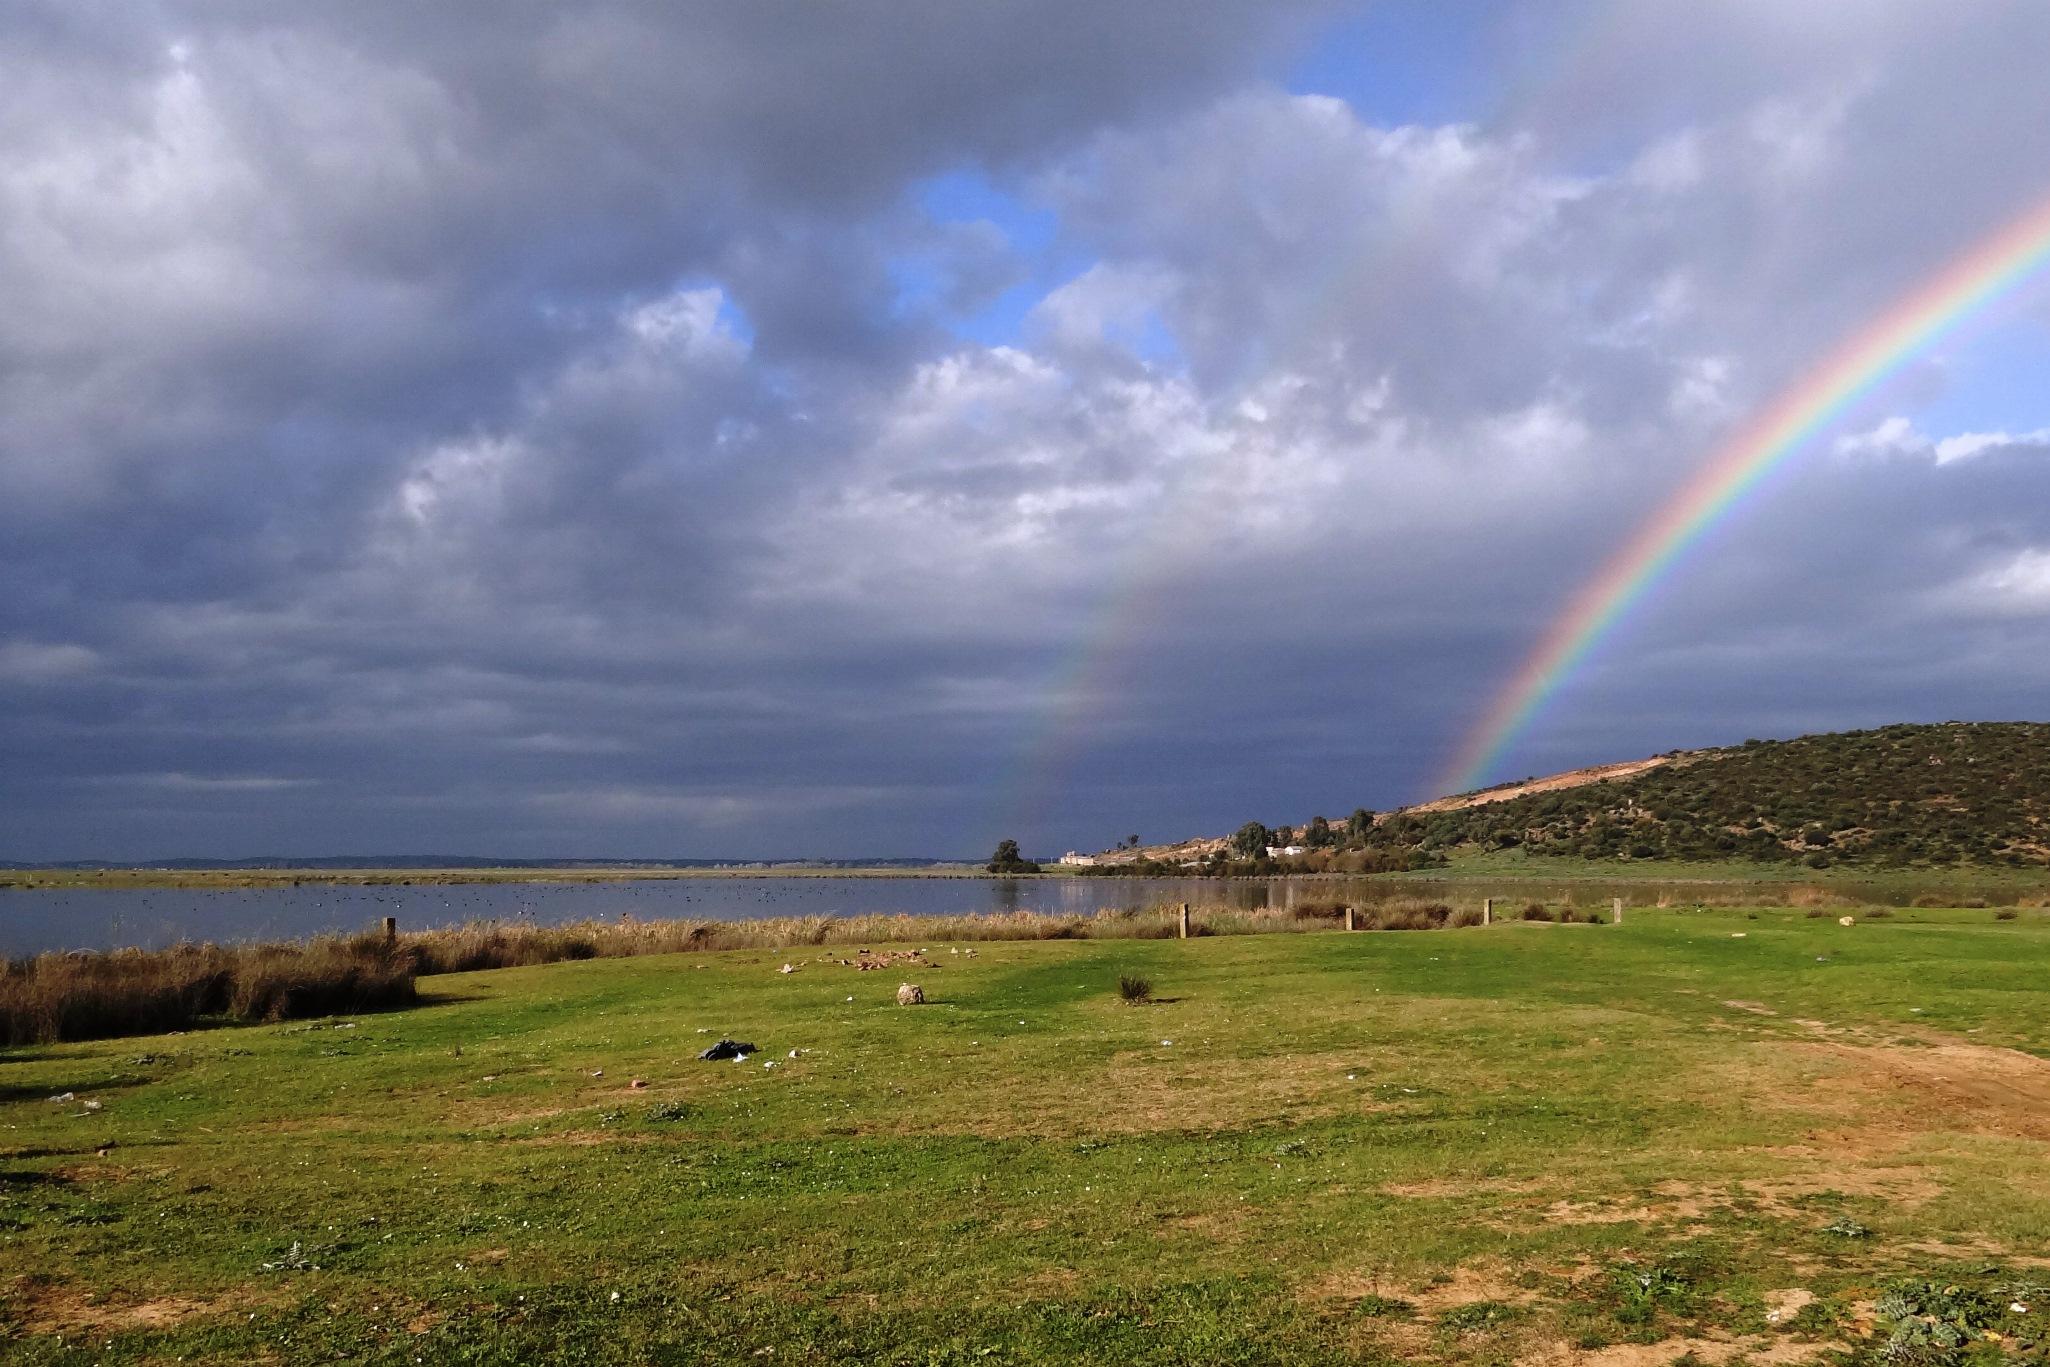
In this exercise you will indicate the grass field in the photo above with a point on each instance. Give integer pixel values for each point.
(1741, 1136)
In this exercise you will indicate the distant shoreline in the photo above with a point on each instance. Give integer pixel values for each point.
(74, 879)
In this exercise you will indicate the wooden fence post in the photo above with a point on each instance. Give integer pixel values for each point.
(1616, 906)
(391, 929)
(1348, 919)
(1487, 911)
(1183, 926)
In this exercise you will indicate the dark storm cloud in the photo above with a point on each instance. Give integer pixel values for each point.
(535, 429)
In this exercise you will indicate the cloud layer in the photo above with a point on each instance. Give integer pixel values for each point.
(757, 430)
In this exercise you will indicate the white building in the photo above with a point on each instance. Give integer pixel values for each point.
(1284, 851)
(1074, 860)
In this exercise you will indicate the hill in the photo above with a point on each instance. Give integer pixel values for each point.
(1935, 796)
(1958, 793)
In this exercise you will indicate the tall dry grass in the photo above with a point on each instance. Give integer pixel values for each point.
(79, 996)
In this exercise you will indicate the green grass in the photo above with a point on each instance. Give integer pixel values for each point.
(1517, 864)
(1468, 1145)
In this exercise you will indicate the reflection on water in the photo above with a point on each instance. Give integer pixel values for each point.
(39, 919)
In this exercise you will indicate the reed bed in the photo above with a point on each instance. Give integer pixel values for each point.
(80, 995)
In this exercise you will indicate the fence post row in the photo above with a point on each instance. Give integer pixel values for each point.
(1487, 911)
(1182, 927)
(1616, 906)
(391, 929)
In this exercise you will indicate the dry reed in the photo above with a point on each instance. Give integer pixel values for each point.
(81, 995)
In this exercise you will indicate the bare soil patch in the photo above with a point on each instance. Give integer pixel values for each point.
(1961, 1086)
(50, 1307)
(1572, 778)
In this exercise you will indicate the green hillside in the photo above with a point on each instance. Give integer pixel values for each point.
(1900, 796)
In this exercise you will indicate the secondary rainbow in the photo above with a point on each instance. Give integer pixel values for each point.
(1986, 271)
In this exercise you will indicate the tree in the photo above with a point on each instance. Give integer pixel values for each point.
(1133, 841)
(1008, 860)
(1251, 840)
(1319, 833)
(1359, 823)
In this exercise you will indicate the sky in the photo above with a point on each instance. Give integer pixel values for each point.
(774, 430)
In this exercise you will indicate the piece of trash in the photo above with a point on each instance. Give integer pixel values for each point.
(68, 1096)
(1736, 935)
(597, 1072)
(1351, 1078)
(615, 1298)
(1847, 920)
(793, 1053)
(850, 999)
(1166, 1043)
(2018, 1308)
(638, 1083)
(92, 1105)
(727, 1048)
(787, 968)
(294, 1260)
(489, 1077)
(769, 1063)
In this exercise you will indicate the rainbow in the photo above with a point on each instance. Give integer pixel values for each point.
(1984, 272)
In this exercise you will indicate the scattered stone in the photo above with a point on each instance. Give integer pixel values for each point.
(93, 1105)
(910, 994)
(727, 1048)
(1847, 920)
(787, 968)
(869, 961)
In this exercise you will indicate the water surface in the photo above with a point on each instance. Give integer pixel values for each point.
(36, 919)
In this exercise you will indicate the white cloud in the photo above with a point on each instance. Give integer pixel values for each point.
(37, 662)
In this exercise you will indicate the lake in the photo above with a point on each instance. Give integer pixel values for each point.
(33, 920)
